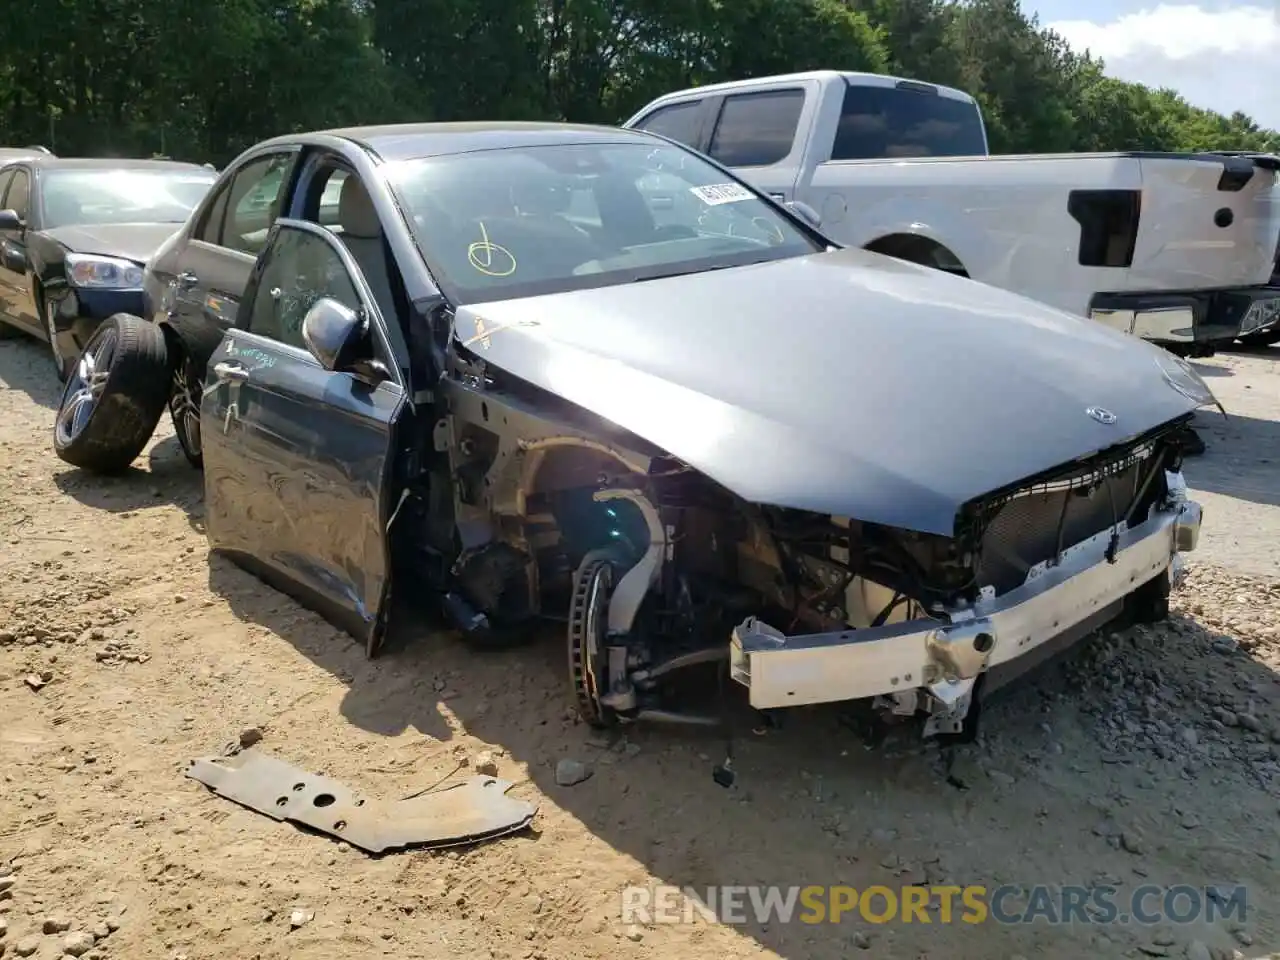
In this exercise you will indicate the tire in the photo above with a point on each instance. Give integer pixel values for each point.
(184, 407)
(114, 397)
(1261, 339)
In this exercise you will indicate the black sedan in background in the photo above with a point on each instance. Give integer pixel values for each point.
(74, 236)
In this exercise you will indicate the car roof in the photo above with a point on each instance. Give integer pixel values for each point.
(409, 141)
(10, 154)
(46, 162)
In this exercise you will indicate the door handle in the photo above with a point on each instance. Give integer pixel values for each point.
(230, 371)
(780, 197)
(186, 280)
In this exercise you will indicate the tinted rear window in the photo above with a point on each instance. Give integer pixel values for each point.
(757, 129)
(678, 121)
(880, 122)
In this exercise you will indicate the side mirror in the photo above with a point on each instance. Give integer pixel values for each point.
(333, 333)
(805, 213)
(337, 336)
(12, 258)
(9, 220)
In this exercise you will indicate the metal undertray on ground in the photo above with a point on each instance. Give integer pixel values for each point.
(469, 811)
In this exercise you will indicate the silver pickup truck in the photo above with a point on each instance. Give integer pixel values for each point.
(1175, 248)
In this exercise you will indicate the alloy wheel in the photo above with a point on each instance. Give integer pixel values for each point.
(85, 383)
(184, 408)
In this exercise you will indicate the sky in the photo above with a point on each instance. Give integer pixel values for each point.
(1219, 54)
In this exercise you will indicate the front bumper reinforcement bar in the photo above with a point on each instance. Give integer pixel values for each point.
(944, 657)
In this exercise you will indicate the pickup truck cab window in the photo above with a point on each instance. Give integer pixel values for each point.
(757, 129)
(878, 122)
(679, 121)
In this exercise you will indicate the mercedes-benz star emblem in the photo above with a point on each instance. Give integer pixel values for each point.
(1101, 415)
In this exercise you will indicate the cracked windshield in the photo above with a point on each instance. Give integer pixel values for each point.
(584, 215)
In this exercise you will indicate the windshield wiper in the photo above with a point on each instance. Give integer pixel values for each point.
(663, 275)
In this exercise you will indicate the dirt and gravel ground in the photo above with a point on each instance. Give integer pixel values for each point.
(1152, 756)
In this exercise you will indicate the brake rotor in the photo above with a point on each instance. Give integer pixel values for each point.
(587, 634)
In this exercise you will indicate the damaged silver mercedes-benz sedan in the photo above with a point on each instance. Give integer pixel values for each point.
(542, 371)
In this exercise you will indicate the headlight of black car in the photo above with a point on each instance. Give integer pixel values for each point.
(92, 272)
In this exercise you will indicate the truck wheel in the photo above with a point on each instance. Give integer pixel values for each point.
(1265, 339)
(114, 396)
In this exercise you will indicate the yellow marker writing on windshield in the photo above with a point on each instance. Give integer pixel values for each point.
(482, 255)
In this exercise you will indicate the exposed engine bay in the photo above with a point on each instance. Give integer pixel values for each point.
(657, 566)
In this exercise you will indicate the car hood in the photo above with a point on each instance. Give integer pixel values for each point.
(132, 241)
(845, 383)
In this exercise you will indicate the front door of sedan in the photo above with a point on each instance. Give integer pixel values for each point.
(16, 292)
(297, 456)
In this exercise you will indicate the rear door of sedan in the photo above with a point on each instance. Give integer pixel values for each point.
(213, 266)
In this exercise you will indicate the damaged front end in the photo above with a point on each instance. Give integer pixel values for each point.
(1051, 561)
(828, 609)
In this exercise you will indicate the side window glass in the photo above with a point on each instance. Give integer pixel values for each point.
(678, 121)
(5, 177)
(757, 129)
(254, 203)
(19, 196)
(210, 230)
(300, 269)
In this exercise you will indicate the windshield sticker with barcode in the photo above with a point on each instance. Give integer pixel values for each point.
(717, 193)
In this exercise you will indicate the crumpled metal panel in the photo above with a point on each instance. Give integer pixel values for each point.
(836, 383)
(469, 811)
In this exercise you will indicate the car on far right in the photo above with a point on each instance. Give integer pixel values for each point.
(1174, 248)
